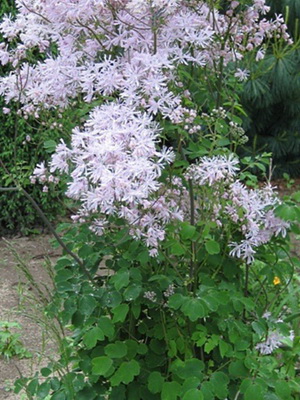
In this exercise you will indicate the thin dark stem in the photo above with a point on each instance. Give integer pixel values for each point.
(246, 286)
(50, 227)
(36, 13)
(246, 280)
(92, 32)
(263, 289)
(192, 220)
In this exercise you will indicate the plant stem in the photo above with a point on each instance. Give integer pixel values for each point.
(51, 229)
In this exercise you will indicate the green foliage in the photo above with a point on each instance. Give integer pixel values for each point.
(22, 148)
(187, 324)
(10, 343)
(24, 142)
(7, 7)
(196, 342)
(271, 97)
(21, 144)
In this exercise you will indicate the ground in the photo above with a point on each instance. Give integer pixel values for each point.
(15, 293)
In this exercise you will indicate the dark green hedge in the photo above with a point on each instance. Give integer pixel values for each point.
(19, 156)
(272, 100)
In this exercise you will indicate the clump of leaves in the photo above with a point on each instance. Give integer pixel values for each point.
(10, 343)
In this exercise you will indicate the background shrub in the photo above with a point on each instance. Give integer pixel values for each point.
(22, 144)
(271, 98)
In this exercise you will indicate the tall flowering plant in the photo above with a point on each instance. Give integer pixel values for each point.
(187, 306)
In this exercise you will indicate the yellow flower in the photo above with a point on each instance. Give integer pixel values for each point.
(276, 280)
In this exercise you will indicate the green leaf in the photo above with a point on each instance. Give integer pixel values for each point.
(155, 382)
(86, 393)
(43, 390)
(170, 391)
(142, 348)
(46, 372)
(211, 302)
(59, 396)
(64, 275)
(193, 308)
(143, 257)
(101, 365)
(254, 391)
(136, 310)
(259, 327)
(286, 212)
(220, 381)
(116, 350)
(49, 146)
(224, 347)
(120, 279)
(296, 196)
(212, 247)
(190, 383)
(187, 231)
(223, 142)
(87, 304)
(242, 345)
(132, 347)
(107, 326)
(120, 312)
(189, 368)
(211, 343)
(172, 348)
(55, 384)
(112, 298)
(283, 390)
(193, 394)
(177, 249)
(163, 281)
(238, 369)
(125, 373)
(132, 292)
(176, 301)
(207, 390)
(92, 336)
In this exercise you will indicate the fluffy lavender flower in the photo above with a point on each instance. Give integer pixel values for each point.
(214, 169)
(151, 296)
(113, 161)
(243, 250)
(40, 173)
(60, 158)
(115, 166)
(272, 343)
(242, 74)
(170, 290)
(6, 110)
(139, 73)
(276, 225)
(266, 315)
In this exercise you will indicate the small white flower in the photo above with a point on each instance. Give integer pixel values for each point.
(242, 74)
(150, 296)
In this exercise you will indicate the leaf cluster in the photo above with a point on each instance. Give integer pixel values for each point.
(193, 338)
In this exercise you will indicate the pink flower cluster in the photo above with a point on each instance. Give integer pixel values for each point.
(128, 53)
(41, 175)
(132, 48)
(114, 167)
(213, 169)
(257, 220)
(274, 339)
(250, 209)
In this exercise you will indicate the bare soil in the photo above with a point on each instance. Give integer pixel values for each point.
(16, 306)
